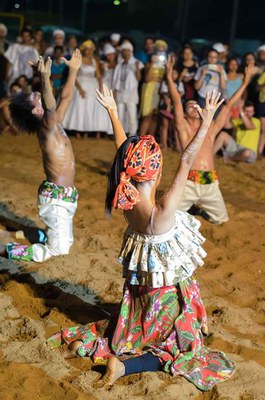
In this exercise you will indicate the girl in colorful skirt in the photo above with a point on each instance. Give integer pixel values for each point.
(162, 319)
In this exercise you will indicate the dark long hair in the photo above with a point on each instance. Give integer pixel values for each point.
(21, 114)
(115, 171)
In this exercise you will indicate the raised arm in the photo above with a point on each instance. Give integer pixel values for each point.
(67, 93)
(174, 95)
(221, 119)
(105, 97)
(48, 100)
(170, 200)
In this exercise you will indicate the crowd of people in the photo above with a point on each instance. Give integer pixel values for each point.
(138, 81)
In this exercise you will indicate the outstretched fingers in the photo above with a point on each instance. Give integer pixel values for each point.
(219, 103)
(100, 95)
(207, 99)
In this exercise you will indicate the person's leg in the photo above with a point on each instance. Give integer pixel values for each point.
(189, 197)
(153, 126)
(261, 146)
(57, 215)
(145, 125)
(134, 365)
(221, 141)
(245, 155)
(164, 132)
(211, 201)
(131, 109)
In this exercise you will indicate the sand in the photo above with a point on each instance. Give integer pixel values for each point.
(37, 299)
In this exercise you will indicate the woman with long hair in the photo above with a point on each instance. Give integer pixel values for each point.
(162, 318)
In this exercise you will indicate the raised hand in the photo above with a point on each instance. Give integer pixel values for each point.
(75, 61)
(44, 68)
(170, 65)
(250, 71)
(106, 98)
(212, 103)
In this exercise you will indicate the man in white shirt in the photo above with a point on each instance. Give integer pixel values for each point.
(125, 82)
(18, 55)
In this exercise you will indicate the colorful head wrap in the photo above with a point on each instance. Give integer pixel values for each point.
(142, 163)
(86, 44)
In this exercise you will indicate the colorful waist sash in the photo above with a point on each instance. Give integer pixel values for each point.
(53, 191)
(202, 177)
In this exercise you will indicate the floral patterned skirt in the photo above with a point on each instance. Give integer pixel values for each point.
(168, 322)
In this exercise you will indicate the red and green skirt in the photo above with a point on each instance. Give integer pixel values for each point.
(169, 322)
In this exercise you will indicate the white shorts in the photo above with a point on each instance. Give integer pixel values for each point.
(57, 215)
(208, 197)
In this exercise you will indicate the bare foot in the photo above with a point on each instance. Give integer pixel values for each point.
(69, 351)
(115, 369)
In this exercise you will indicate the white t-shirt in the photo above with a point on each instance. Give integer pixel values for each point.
(179, 86)
(211, 80)
(18, 55)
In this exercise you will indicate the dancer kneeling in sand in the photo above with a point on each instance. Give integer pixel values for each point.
(202, 185)
(162, 318)
(57, 200)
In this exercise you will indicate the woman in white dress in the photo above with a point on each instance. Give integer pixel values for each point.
(85, 112)
(107, 67)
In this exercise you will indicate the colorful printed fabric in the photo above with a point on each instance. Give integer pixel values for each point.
(166, 259)
(203, 177)
(20, 252)
(142, 163)
(53, 191)
(169, 322)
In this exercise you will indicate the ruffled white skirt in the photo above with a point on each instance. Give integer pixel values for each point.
(163, 260)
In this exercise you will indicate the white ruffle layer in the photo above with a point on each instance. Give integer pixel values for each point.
(163, 260)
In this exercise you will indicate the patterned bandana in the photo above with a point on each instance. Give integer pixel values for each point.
(142, 163)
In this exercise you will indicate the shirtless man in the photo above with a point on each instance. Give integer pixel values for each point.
(202, 187)
(57, 200)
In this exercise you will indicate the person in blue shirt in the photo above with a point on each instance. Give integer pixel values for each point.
(58, 70)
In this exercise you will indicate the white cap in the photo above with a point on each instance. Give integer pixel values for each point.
(58, 32)
(219, 47)
(115, 37)
(108, 49)
(261, 48)
(126, 46)
(3, 28)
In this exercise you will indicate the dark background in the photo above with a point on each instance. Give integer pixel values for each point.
(179, 19)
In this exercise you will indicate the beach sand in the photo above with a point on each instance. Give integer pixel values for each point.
(36, 300)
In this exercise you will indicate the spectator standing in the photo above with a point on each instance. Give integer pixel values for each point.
(39, 43)
(85, 113)
(107, 67)
(125, 82)
(210, 77)
(18, 55)
(3, 61)
(58, 71)
(146, 54)
(58, 37)
(150, 96)
(188, 67)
